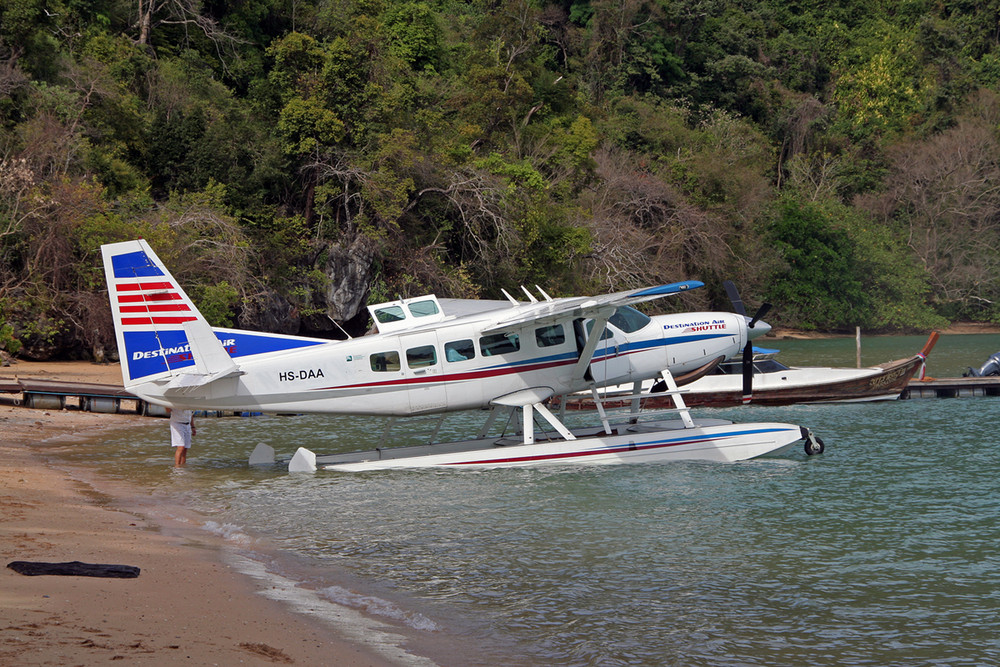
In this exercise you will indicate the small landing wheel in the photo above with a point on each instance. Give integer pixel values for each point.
(814, 445)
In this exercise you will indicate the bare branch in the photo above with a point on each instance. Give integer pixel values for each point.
(946, 190)
(186, 13)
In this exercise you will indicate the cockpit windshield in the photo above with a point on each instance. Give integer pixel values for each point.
(628, 319)
(625, 319)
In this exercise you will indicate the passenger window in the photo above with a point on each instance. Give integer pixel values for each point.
(385, 361)
(499, 344)
(390, 314)
(421, 357)
(549, 336)
(459, 350)
(423, 308)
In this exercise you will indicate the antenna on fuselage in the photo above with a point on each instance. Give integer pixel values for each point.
(342, 330)
(531, 297)
(542, 292)
(509, 297)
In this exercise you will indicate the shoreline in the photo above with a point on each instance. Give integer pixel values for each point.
(956, 328)
(192, 602)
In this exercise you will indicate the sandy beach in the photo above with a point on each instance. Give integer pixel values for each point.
(187, 606)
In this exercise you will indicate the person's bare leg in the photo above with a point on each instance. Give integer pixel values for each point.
(180, 456)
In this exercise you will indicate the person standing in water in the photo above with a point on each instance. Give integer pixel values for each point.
(181, 431)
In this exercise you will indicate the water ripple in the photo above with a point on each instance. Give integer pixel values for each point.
(883, 551)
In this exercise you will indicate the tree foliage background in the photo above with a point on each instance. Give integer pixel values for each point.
(293, 159)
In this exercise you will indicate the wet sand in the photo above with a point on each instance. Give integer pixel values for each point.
(187, 605)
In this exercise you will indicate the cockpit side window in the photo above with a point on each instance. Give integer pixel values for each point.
(629, 319)
(604, 334)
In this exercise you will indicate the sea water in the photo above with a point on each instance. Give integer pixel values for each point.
(881, 551)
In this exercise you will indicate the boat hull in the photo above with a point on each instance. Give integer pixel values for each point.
(651, 442)
(885, 382)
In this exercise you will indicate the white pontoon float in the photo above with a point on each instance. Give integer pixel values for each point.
(632, 441)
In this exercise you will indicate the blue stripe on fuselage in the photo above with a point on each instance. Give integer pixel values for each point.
(537, 360)
(506, 368)
(677, 340)
(625, 348)
(642, 346)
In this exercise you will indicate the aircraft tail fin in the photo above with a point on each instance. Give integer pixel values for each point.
(160, 332)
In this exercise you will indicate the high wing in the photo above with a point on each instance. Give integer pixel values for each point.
(596, 307)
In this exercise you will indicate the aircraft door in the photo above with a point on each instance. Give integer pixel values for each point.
(422, 369)
(610, 364)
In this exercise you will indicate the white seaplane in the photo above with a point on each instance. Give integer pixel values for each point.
(437, 356)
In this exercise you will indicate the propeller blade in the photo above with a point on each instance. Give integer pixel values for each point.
(734, 297)
(747, 372)
(761, 312)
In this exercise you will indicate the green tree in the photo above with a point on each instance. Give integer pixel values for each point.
(840, 270)
(414, 34)
(880, 87)
(819, 285)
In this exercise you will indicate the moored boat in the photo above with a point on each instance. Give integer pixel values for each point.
(777, 384)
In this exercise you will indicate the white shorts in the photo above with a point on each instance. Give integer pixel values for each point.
(180, 434)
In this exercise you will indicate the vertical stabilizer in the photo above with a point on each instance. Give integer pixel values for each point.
(153, 317)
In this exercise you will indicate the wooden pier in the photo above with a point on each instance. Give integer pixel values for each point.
(90, 397)
(86, 396)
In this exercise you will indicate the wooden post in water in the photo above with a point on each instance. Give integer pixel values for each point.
(857, 338)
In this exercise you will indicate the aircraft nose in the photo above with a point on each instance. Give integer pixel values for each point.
(761, 328)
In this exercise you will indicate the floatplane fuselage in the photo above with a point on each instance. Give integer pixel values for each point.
(429, 355)
(453, 366)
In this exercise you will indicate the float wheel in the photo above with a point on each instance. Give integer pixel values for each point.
(814, 445)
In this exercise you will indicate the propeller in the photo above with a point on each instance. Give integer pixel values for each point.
(761, 312)
(734, 297)
(739, 308)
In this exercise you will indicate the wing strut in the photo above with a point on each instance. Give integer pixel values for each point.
(531, 400)
(672, 389)
(529, 425)
(600, 408)
(587, 353)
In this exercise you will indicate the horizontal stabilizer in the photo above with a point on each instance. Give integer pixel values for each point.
(210, 357)
(211, 361)
(180, 383)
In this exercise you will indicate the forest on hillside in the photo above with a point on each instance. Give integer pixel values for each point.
(292, 160)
